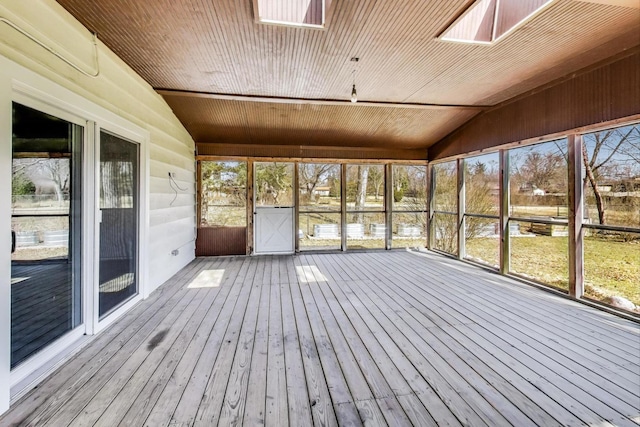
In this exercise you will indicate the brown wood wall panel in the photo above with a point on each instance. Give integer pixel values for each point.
(246, 122)
(215, 241)
(306, 152)
(604, 94)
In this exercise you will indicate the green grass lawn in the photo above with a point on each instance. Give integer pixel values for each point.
(612, 267)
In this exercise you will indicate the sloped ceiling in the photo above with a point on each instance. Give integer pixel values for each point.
(231, 80)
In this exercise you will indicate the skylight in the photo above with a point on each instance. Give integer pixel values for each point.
(297, 13)
(487, 21)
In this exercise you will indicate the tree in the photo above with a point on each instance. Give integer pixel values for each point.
(446, 200)
(361, 191)
(544, 170)
(480, 197)
(312, 174)
(51, 174)
(222, 184)
(608, 147)
(376, 180)
(272, 181)
(400, 183)
(21, 185)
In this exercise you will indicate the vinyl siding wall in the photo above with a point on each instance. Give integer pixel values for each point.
(121, 91)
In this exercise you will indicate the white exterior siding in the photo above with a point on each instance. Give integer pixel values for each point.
(117, 99)
(120, 90)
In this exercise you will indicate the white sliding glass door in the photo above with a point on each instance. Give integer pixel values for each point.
(46, 230)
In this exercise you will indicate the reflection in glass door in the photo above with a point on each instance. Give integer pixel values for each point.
(118, 267)
(45, 230)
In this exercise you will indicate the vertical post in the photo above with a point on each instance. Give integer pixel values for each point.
(250, 207)
(343, 206)
(461, 209)
(91, 227)
(576, 205)
(296, 208)
(505, 252)
(431, 191)
(198, 193)
(5, 239)
(388, 204)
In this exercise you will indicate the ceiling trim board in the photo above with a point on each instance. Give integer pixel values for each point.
(307, 101)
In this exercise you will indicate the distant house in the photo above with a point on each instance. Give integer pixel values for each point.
(322, 191)
(529, 188)
(605, 188)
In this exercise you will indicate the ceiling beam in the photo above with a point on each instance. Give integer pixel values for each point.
(308, 101)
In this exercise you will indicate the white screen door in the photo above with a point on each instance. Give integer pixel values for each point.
(274, 208)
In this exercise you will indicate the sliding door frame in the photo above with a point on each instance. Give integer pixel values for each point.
(19, 84)
(142, 227)
(34, 362)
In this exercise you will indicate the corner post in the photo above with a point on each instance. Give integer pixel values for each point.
(343, 207)
(461, 209)
(296, 207)
(250, 207)
(576, 211)
(505, 252)
(431, 191)
(388, 205)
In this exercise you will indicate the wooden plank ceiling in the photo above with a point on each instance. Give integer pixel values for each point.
(291, 86)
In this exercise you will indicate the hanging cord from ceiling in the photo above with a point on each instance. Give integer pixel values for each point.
(175, 187)
(354, 94)
(92, 74)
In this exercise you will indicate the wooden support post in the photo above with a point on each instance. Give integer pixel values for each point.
(505, 251)
(461, 209)
(250, 207)
(431, 191)
(576, 212)
(343, 206)
(198, 193)
(296, 207)
(388, 205)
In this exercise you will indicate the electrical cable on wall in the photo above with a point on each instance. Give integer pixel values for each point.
(175, 187)
(25, 33)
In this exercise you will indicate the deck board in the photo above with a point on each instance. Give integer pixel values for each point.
(564, 352)
(554, 366)
(371, 338)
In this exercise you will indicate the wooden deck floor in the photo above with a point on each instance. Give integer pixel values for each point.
(388, 338)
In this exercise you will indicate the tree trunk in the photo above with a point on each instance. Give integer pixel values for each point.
(59, 195)
(361, 191)
(378, 185)
(594, 186)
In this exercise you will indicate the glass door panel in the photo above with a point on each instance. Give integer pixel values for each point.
(118, 266)
(45, 228)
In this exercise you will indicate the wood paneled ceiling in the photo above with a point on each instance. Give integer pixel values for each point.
(232, 80)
